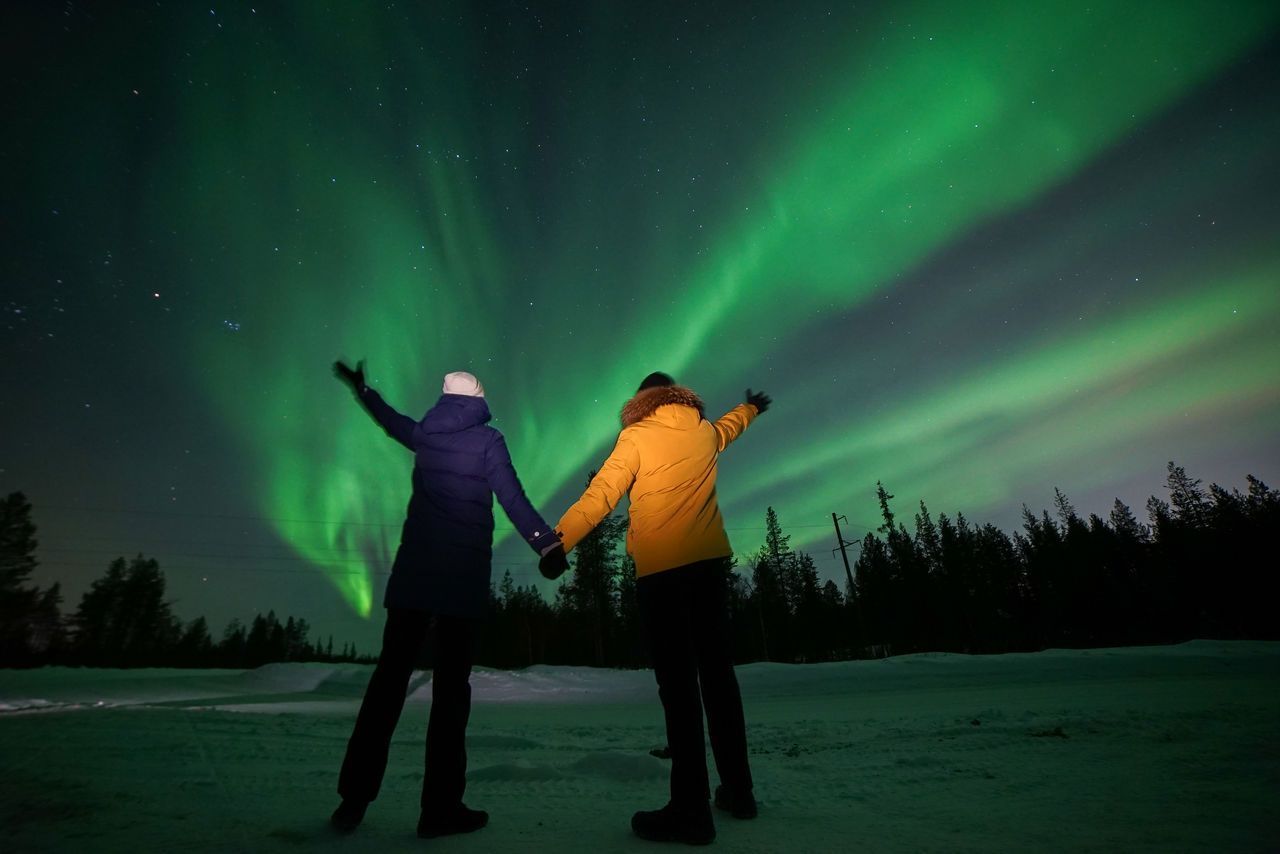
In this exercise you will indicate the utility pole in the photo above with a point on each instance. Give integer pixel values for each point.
(853, 593)
(835, 520)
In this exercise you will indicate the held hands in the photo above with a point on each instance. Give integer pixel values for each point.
(554, 563)
(355, 378)
(759, 400)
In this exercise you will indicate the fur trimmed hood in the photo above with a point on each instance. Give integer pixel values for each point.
(645, 403)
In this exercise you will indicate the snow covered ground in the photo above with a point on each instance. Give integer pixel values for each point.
(1156, 749)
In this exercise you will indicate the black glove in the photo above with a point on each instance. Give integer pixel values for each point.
(355, 378)
(759, 400)
(553, 563)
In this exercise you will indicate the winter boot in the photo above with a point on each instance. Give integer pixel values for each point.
(459, 819)
(691, 824)
(739, 804)
(348, 815)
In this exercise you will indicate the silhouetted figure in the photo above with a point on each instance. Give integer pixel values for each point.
(440, 581)
(665, 458)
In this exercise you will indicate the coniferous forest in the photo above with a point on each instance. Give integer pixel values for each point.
(1195, 567)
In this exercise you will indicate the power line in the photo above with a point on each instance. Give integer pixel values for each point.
(216, 556)
(316, 563)
(251, 518)
(279, 546)
(520, 570)
(233, 517)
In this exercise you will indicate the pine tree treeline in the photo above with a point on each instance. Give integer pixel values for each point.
(944, 584)
(592, 621)
(1195, 569)
(30, 618)
(124, 620)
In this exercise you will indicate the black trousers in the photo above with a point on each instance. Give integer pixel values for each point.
(685, 615)
(445, 775)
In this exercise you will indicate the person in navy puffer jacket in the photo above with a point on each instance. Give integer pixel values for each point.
(440, 579)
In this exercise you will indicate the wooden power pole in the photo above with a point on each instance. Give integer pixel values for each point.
(835, 520)
(852, 592)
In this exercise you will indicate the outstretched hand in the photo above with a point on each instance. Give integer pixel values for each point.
(759, 400)
(554, 563)
(353, 378)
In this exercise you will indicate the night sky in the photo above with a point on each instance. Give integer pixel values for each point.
(975, 251)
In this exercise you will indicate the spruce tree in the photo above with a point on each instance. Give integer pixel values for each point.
(47, 634)
(17, 544)
(772, 582)
(874, 582)
(195, 647)
(1126, 525)
(1190, 504)
(231, 651)
(17, 562)
(588, 597)
(123, 620)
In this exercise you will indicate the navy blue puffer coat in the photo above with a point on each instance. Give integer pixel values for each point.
(446, 546)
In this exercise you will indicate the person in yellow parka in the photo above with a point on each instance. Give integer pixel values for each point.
(665, 458)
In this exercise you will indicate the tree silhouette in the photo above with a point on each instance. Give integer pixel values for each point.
(1196, 567)
(195, 646)
(771, 583)
(587, 599)
(28, 618)
(123, 618)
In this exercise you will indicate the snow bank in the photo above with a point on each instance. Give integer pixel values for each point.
(275, 688)
(1149, 750)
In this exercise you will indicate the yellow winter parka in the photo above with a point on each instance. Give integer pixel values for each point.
(666, 459)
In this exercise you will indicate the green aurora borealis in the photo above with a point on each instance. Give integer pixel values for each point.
(974, 251)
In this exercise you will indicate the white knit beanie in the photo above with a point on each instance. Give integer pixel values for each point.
(461, 382)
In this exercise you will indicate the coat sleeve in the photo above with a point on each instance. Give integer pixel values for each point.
(612, 481)
(730, 425)
(501, 474)
(398, 427)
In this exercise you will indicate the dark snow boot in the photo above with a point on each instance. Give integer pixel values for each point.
(348, 815)
(460, 819)
(689, 824)
(739, 804)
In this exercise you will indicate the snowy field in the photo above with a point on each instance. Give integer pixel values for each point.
(1159, 749)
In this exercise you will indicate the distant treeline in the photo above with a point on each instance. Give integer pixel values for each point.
(124, 620)
(1196, 568)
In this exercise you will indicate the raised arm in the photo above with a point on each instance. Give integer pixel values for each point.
(730, 425)
(505, 484)
(397, 426)
(603, 493)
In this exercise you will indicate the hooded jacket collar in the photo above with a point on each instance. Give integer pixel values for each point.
(646, 402)
(455, 412)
